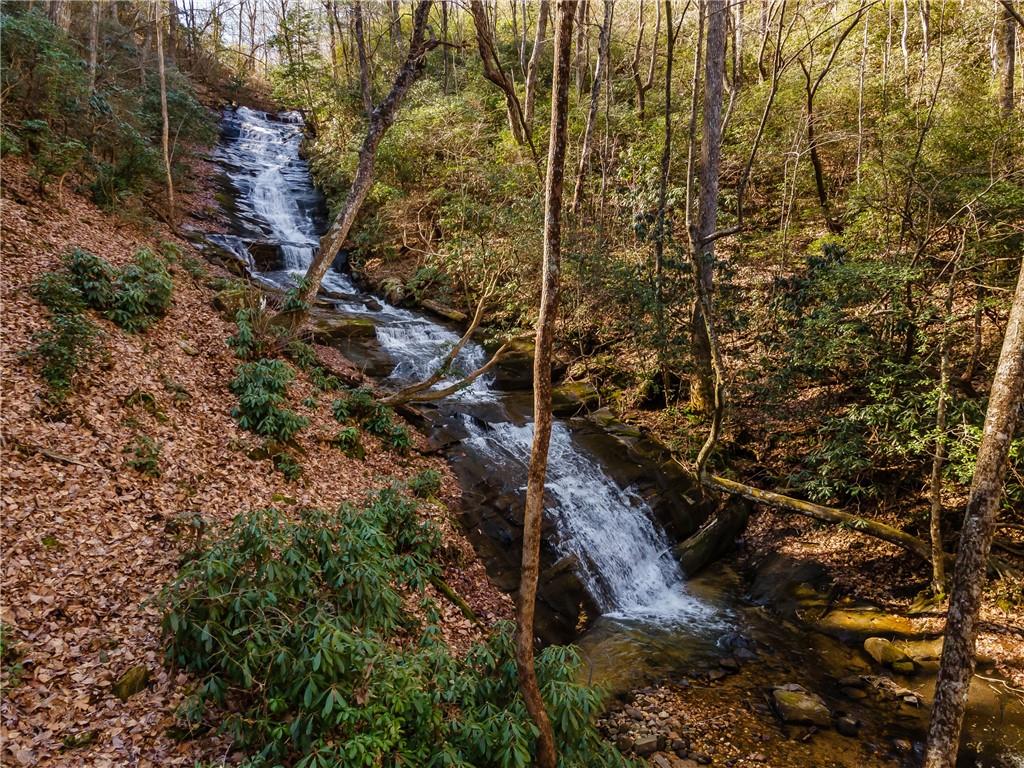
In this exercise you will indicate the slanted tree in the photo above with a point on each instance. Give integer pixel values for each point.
(536, 476)
(595, 92)
(956, 667)
(381, 119)
(531, 68)
(495, 72)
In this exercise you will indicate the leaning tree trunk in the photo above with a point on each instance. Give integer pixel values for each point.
(957, 665)
(365, 88)
(380, 120)
(494, 72)
(595, 92)
(533, 515)
(702, 247)
(166, 132)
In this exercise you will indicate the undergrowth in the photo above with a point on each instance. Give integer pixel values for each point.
(307, 651)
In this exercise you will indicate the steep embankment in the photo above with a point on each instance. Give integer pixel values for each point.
(88, 539)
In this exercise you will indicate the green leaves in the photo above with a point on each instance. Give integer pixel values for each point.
(261, 387)
(300, 625)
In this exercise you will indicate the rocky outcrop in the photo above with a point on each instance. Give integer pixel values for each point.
(327, 327)
(573, 398)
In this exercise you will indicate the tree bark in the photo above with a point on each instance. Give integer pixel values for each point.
(957, 664)
(702, 247)
(94, 42)
(1006, 34)
(165, 133)
(531, 67)
(364, 63)
(533, 514)
(381, 119)
(643, 84)
(494, 72)
(595, 93)
(939, 457)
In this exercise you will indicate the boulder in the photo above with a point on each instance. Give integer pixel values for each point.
(131, 682)
(884, 652)
(847, 726)
(801, 707)
(393, 290)
(573, 398)
(329, 327)
(715, 539)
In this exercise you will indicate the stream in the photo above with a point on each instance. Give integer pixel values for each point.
(612, 516)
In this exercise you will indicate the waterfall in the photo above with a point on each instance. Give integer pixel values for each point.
(624, 556)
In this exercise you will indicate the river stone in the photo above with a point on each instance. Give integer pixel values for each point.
(646, 745)
(854, 693)
(715, 539)
(635, 713)
(847, 726)
(904, 667)
(801, 707)
(884, 652)
(131, 682)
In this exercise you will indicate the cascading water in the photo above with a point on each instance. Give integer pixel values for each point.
(623, 555)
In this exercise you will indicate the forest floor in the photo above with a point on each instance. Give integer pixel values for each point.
(88, 541)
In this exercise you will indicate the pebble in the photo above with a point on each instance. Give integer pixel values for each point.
(635, 713)
(729, 663)
(757, 757)
(700, 757)
(716, 674)
(847, 726)
(902, 746)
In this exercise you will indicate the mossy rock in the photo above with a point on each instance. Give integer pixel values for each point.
(131, 682)
(797, 706)
(327, 328)
(573, 397)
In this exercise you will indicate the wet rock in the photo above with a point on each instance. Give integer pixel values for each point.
(796, 705)
(266, 257)
(131, 682)
(904, 667)
(729, 664)
(903, 746)
(847, 726)
(884, 652)
(646, 745)
(852, 681)
(714, 540)
(716, 674)
(855, 622)
(856, 694)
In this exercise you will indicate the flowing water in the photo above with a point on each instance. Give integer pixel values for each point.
(653, 623)
(623, 554)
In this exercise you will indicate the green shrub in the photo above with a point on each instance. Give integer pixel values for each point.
(261, 387)
(425, 484)
(299, 635)
(145, 456)
(286, 464)
(70, 341)
(248, 342)
(305, 357)
(142, 293)
(93, 276)
(348, 440)
(399, 440)
(341, 409)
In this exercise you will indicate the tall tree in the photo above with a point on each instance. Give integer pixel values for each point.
(1006, 42)
(531, 67)
(365, 88)
(165, 135)
(706, 394)
(94, 41)
(495, 72)
(381, 119)
(536, 476)
(595, 92)
(957, 664)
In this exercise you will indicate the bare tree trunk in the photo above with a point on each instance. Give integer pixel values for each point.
(381, 119)
(94, 42)
(531, 67)
(494, 72)
(939, 457)
(643, 84)
(364, 64)
(533, 515)
(165, 134)
(582, 62)
(957, 665)
(705, 395)
(595, 93)
(1006, 41)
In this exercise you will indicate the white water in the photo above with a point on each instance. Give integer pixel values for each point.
(624, 556)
